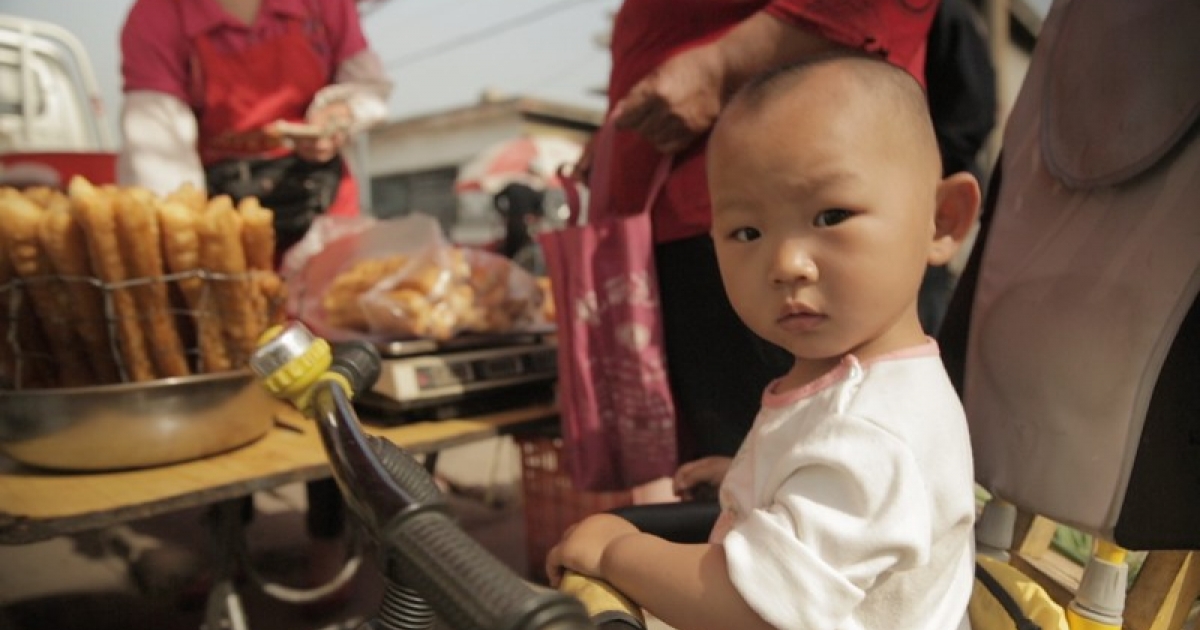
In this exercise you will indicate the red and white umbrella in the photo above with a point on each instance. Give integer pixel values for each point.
(531, 160)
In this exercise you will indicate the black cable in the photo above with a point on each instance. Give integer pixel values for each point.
(483, 33)
(559, 74)
(1005, 599)
(420, 17)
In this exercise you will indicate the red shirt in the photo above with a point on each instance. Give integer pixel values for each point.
(648, 32)
(156, 41)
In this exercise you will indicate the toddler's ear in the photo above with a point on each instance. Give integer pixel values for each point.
(957, 207)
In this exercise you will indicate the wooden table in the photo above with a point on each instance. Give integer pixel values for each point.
(37, 504)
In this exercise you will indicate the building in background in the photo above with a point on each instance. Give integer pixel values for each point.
(413, 163)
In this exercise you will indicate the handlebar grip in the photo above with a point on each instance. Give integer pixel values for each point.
(467, 585)
(408, 473)
(359, 362)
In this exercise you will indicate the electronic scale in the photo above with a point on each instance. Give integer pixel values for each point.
(425, 379)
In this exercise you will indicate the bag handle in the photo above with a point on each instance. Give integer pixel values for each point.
(570, 189)
(602, 147)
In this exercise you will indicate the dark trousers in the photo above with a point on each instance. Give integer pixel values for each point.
(718, 368)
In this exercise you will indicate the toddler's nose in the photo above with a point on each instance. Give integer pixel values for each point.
(793, 264)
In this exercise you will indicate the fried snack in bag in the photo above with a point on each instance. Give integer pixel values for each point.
(400, 279)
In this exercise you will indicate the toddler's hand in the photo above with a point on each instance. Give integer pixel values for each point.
(583, 545)
(704, 472)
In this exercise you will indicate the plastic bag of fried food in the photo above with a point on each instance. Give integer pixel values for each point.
(108, 284)
(400, 279)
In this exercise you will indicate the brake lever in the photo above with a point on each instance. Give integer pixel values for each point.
(320, 380)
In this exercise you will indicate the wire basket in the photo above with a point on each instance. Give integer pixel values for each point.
(71, 331)
(552, 502)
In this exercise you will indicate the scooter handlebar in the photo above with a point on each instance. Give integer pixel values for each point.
(424, 548)
(396, 499)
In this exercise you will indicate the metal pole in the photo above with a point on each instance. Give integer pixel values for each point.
(997, 15)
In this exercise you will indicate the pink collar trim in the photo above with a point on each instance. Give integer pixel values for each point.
(848, 365)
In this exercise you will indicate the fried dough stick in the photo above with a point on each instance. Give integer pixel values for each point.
(93, 209)
(40, 195)
(8, 320)
(25, 359)
(20, 335)
(221, 252)
(8, 358)
(190, 196)
(141, 250)
(20, 219)
(181, 245)
(258, 240)
(66, 245)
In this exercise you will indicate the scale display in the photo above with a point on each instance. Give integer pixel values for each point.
(443, 375)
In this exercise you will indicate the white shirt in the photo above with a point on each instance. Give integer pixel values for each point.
(851, 503)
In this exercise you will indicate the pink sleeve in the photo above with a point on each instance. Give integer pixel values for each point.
(154, 49)
(895, 28)
(345, 29)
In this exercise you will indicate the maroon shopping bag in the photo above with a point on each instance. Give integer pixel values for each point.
(618, 418)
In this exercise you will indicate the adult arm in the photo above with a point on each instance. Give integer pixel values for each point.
(361, 86)
(680, 100)
(357, 98)
(158, 128)
(158, 150)
(356, 102)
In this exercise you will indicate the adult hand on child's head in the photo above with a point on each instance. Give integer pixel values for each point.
(677, 102)
(583, 545)
(334, 119)
(704, 472)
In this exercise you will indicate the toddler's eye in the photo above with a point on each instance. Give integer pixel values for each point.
(745, 234)
(831, 217)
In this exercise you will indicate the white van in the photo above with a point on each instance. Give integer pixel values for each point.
(51, 122)
(49, 97)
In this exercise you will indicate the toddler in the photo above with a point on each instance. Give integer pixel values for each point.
(850, 505)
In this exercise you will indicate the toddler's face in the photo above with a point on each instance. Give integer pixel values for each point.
(822, 222)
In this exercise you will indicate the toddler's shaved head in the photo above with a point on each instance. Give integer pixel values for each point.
(865, 85)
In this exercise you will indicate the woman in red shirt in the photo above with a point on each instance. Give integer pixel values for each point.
(206, 81)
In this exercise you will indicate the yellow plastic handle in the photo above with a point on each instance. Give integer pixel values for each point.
(603, 602)
(294, 380)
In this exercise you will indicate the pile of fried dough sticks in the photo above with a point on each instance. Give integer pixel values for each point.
(109, 284)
